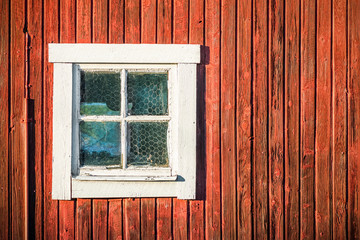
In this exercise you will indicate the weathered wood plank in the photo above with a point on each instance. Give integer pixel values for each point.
(35, 28)
(132, 21)
(180, 219)
(292, 127)
(131, 218)
(100, 218)
(4, 119)
(323, 122)
(307, 118)
(243, 119)
(116, 21)
(213, 221)
(339, 116)
(228, 146)
(260, 118)
(115, 222)
(148, 218)
(83, 21)
(164, 21)
(276, 119)
(196, 36)
(18, 133)
(353, 120)
(163, 218)
(83, 219)
(66, 220)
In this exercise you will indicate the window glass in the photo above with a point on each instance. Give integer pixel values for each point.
(147, 93)
(100, 93)
(148, 144)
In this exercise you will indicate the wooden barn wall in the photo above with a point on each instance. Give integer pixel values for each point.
(278, 111)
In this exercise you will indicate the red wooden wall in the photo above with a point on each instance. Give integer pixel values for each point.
(279, 118)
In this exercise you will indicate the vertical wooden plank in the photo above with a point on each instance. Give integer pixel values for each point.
(276, 119)
(131, 218)
(83, 219)
(51, 31)
(4, 118)
(307, 118)
(181, 21)
(163, 218)
(116, 35)
(18, 126)
(83, 21)
(260, 118)
(66, 220)
(148, 21)
(323, 121)
(196, 36)
(228, 148)
(164, 21)
(292, 113)
(99, 208)
(243, 119)
(354, 120)
(116, 21)
(35, 28)
(164, 205)
(132, 35)
(339, 116)
(67, 35)
(148, 35)
(213, 221)
(180, 36)
(132, 21)
(115, 219)
(100, 35)
(100, 21)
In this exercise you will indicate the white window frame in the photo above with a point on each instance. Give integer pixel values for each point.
(69, 180)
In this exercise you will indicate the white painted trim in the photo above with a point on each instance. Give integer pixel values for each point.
(127, 178)
(124, 53)
(118, 189)
(115, 170)
(62, 131)
(187, 130)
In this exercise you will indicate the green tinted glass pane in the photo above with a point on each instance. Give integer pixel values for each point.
(100, 143)
(100, 93)
(147, 93)
(148, 144)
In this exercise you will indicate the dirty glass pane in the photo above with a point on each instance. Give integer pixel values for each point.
(100, 93)
(100, 143)
(147, 93)
(148, 144)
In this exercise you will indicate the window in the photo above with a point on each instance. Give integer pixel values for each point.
(124, 120)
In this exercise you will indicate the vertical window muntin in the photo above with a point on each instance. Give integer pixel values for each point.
(124, 119)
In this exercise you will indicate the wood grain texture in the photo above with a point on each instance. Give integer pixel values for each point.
(276, 119)
(243, 119)
(213, 220)
(323, 122)
(339, 122)
(228, 147)
(307, 118)
(131, 219)
(18, 133)
(83, 227)
(66, 220)
(83, 21)
(163, 218)
(4, 119)
(115, 221)
(292, 120)
(260, 118)
(353, 120)
(35, 27)
(100, 218)
(116, 21)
